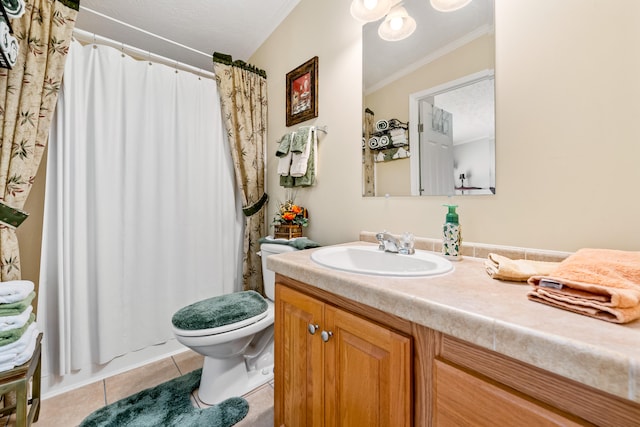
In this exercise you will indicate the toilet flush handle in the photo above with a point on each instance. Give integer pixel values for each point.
(312, 328)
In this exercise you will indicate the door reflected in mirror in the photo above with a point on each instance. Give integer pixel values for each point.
(440, 80)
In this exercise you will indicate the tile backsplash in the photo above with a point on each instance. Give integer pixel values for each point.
(480, 250)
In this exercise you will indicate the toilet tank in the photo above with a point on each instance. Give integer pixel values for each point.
(268, 276)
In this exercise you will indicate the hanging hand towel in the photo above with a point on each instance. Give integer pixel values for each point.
(15, 290)
(309, 176)
(284, 154)
(301, 148)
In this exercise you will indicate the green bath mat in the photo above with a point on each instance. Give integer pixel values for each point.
(168, 404)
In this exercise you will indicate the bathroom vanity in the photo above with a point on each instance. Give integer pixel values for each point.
(455, 349)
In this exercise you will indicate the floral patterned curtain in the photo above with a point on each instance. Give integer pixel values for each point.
(243, 98)
(28, 95)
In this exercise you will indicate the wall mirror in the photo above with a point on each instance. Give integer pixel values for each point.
(429, 121)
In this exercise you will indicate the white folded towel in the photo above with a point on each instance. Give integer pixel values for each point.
(8, 323)
(21, 343)
(300, 161)
(397, 132)
(15, 290)
(21, 353)
(398, 142)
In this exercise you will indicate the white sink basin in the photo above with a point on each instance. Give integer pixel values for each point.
(371, 260)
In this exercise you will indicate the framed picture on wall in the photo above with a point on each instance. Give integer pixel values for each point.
(302, 92)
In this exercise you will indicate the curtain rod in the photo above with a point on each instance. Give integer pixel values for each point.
(88, 37)
(133, 27)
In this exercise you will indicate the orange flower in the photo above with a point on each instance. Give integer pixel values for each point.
(288, 216)
(296, 209)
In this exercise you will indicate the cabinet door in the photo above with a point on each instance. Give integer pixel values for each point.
(462, 399)
(368, 373)
(299, 362)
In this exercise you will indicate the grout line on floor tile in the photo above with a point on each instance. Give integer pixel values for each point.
(173, 359)
(104, 391)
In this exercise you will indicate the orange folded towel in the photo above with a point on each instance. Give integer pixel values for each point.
(517, 270)
(601, 283)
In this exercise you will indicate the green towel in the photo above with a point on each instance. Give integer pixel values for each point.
(298, 143)
(7, 337)
(285, 145)
(300, 139)
(18, 307)
(298, 243)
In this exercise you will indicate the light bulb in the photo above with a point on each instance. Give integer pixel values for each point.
(370, 4)
(396, 23)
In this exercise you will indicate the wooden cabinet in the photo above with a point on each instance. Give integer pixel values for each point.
(376, 369)
(334, 368)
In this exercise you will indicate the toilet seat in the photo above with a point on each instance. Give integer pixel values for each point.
(222, 329)
(220, 314)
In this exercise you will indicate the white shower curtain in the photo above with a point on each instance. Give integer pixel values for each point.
(140, 213)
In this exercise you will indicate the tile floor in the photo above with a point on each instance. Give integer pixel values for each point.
(69, 409)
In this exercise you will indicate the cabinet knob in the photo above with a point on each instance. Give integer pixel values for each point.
(312, 328)
(326, 335)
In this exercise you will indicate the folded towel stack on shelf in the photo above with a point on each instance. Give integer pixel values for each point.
(600, 283)
(18, 330)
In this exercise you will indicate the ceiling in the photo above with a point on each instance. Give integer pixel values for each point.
(235, 27)
(436, 31)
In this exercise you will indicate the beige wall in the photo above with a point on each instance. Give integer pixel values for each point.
(567, 145)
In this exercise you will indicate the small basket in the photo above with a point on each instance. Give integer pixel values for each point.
(287, 231)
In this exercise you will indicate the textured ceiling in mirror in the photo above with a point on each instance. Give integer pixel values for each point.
(436, 31)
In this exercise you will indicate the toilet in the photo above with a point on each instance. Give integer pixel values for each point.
(234, 333)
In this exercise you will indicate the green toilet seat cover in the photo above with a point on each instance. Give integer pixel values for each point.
(220, 311)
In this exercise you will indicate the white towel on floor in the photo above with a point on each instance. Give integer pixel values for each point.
(8, 323)
(300, 161)
(15, 290)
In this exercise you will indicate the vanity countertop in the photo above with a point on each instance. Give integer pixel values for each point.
(493, 314)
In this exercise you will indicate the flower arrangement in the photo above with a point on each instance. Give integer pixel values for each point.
(291, 214)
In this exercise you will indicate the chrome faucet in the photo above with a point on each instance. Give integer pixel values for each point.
(389, 243)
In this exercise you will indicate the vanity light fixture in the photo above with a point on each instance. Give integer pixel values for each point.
(397, 25)
(449, 5)
(370, 10)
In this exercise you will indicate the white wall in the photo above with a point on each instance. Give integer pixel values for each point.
(567, 142)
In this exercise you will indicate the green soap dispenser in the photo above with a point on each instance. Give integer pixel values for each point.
(451, 235)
